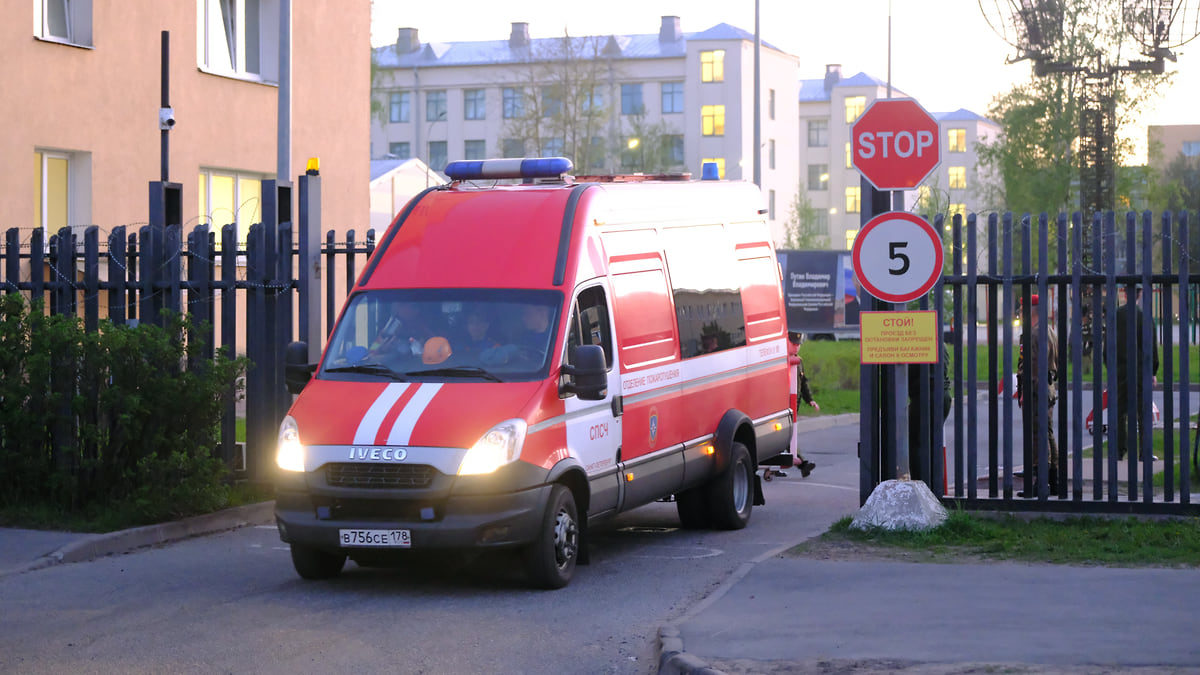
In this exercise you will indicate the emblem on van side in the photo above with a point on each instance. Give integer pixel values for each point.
(378, 454)
(653, 425)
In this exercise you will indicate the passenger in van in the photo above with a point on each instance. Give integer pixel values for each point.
(531, 342)
(478, 339)
(403, 332)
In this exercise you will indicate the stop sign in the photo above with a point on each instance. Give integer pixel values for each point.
(895, 144)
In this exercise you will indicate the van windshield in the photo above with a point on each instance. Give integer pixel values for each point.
(490, 335)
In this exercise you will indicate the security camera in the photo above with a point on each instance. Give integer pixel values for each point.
(166, 118)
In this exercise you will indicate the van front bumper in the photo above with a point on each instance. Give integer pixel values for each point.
(453, 521)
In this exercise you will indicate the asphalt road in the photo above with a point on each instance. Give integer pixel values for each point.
(232, 603)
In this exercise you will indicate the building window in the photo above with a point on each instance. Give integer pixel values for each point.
(596, 153)
(553, 147)
(849, 157)
(240, 38)
(818, 177)
(771, 154)
(851, 235)
(50, 202)
(513, 147)
(1190, 148)
(474, 150)
(674, 147)
(398, 107)
(631, 99)
(719, 161)
(552, 104)
(399, 150)
(712, 66)
(958, 177)
(593, 102)
(770, 205)
(853, 199)
(958, 210)
(672, 97)
(474, 104)
(514, 103)
(956, 140)
(854, 107)
(230, 197)
(67, 21)
(437, 155)
(712, 120)
(771, 104)
(435, 105)
(818, 133)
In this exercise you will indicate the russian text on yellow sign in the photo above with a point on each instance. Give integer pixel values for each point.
(899, 337)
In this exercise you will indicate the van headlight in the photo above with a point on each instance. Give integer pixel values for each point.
(289, 453)
(499, 446)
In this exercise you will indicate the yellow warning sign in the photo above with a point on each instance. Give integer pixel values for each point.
(899, 337)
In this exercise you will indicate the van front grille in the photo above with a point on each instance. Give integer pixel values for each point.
(387, 476)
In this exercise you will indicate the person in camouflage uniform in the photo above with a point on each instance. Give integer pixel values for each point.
(1038, 368)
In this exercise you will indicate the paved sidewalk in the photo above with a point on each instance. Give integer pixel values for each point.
(26, 550)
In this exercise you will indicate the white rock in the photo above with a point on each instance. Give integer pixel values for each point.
(900, 505)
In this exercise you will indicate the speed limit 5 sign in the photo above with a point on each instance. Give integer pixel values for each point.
(897, 256)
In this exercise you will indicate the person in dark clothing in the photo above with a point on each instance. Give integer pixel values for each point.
(1131, 395)
(1038, 366)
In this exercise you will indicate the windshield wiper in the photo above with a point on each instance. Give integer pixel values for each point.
(369, 369)
(462, 371)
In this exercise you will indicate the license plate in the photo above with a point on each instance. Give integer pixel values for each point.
(375, 538)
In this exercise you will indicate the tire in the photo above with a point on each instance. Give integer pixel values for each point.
(731, 494)
(550, 560)
(692, 506)
(313, 563)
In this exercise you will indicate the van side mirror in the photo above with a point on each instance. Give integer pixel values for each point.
(297, 371)
(590, 374)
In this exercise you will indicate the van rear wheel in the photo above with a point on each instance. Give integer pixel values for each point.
(313, 563)
(550, 560)
(731, 494)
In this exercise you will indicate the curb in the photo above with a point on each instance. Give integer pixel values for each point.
(123, 541)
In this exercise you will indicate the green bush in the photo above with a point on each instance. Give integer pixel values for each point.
(121, 420)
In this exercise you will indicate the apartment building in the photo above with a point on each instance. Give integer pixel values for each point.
(654, 102)
(80, 91)
(1168, 141)
(828, 109)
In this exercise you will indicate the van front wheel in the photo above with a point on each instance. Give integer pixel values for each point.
(550, 560)
(313, 563)
(731, 494)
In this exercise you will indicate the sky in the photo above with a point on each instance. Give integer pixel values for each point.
(943, 52)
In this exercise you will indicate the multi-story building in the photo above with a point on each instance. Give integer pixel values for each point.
(1167, 142)
(81, 84)
(828, 109)
(666, 101)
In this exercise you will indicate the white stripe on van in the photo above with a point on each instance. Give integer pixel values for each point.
(402, 429)
(368, 428)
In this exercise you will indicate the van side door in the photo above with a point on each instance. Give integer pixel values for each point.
(594, 427)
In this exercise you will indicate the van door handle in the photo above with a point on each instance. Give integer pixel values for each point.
(618, 405)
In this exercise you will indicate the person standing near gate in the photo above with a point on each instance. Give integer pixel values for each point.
(1038, 366)
(1129, 374)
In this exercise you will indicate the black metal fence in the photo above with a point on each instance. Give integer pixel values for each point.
(242, 295)
(990, 443)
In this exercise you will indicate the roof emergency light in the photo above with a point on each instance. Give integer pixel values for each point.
(491, 169)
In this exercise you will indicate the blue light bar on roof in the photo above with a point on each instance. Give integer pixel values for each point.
(491, 169)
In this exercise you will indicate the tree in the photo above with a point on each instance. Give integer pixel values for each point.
(805, 229)
(567, 102)
(1036, 157)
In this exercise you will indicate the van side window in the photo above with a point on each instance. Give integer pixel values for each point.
(590, 324)
(706, 288)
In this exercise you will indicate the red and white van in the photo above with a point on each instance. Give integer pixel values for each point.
(517, 361)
